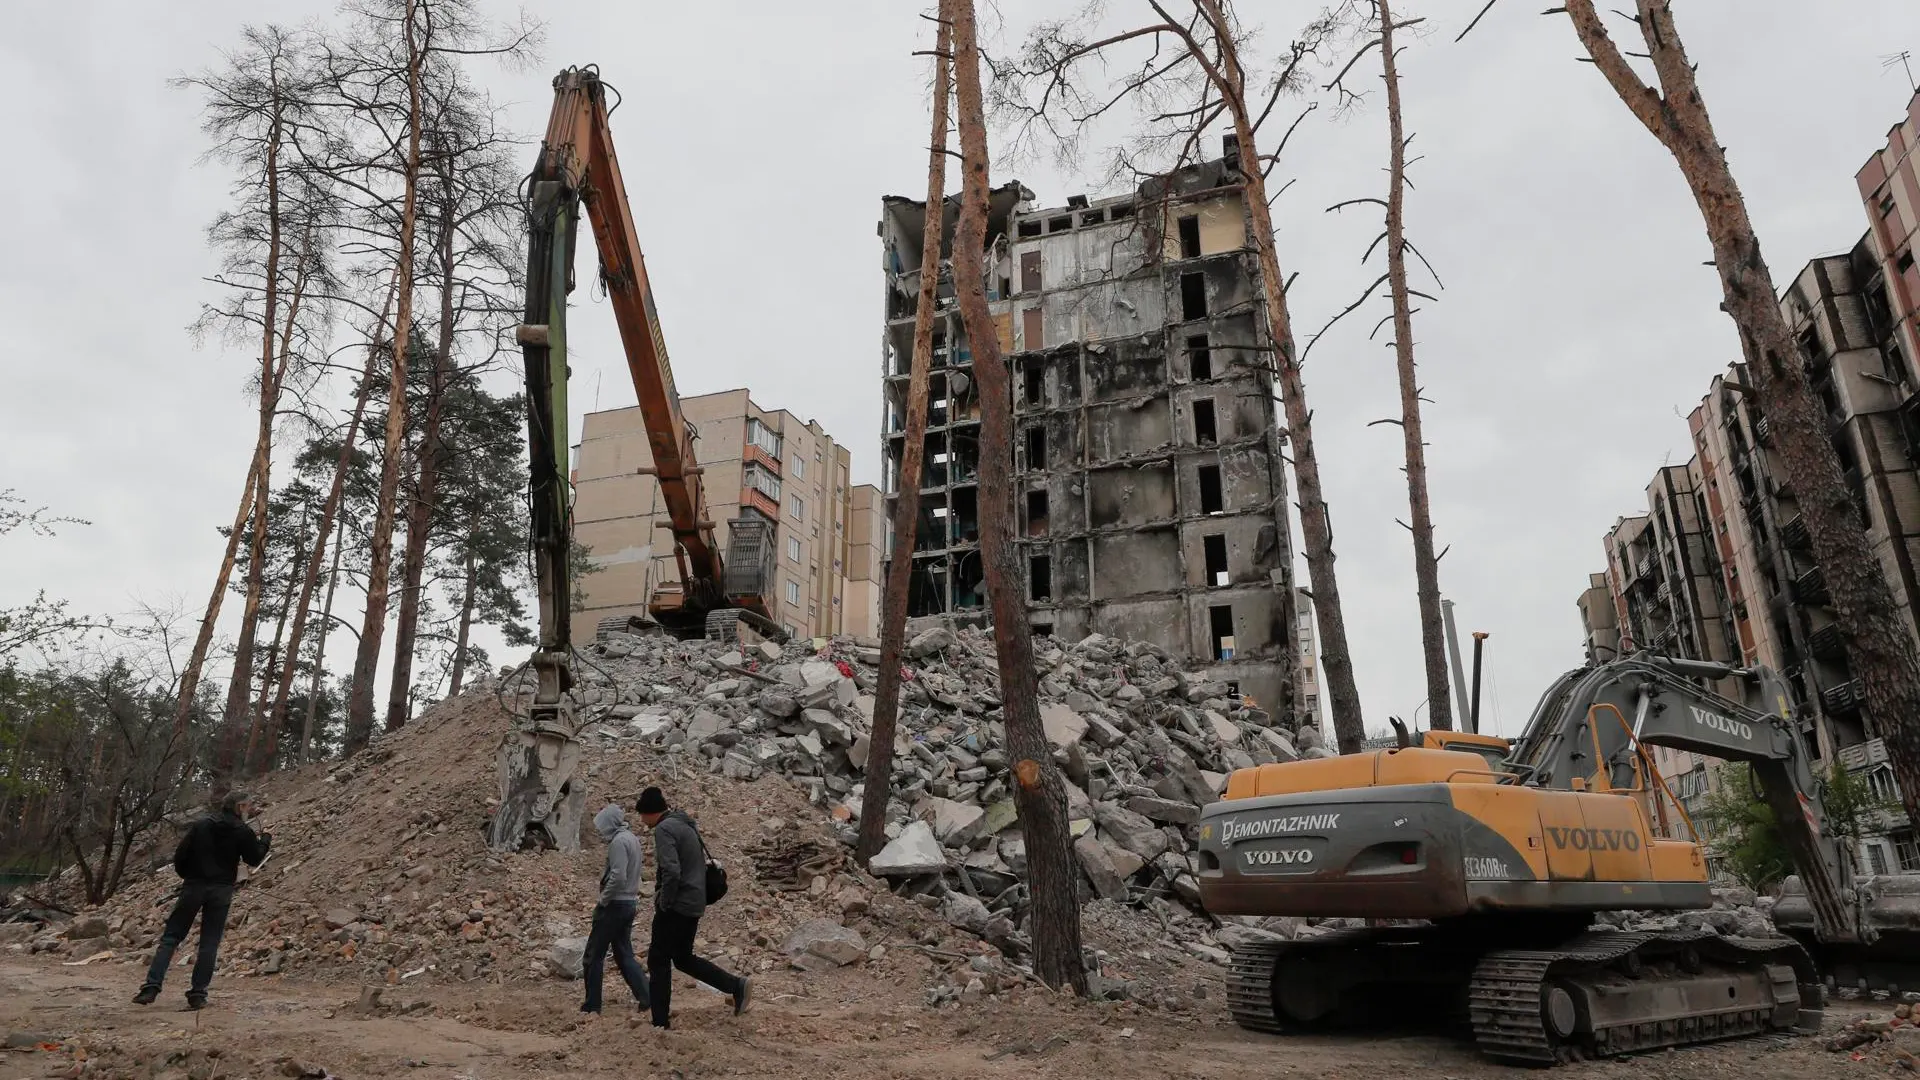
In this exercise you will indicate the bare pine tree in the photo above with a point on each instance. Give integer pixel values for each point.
(1880, 649)
(1039, 791)
(906, 508)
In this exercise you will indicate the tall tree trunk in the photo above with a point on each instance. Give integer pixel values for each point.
(1039, 792)
(203, 639)
(458, 674)
(906, 506)
(1880, 648)
(240, 685)
(367, 662)
(259, 756)
(420, 514)
(320, 645)
(336, 493)
(1426, 565)
(1316, 525)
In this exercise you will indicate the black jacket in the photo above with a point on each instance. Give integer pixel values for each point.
(680, 860)
(212, 849)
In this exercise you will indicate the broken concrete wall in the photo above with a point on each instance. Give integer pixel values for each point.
(1126, 368)
(1136, 563)
(1126, 429)
(1253, 551)
(1158, 620)
(1257, 619)
(1130, 496)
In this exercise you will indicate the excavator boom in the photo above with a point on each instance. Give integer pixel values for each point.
(540, 805)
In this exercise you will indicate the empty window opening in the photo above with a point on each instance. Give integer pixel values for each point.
(1220, 631)
(1060, 224)
(1124, 210)
(1203, 430)
(1210, 500)
(1233, 688)
(1199, 358)
(1039, 578)
(1043, 629)
(1189, 237)
(1193, 296)
(1036, 384)
(1093, 217)
(1904, 262)
(1029, 228)
(1037, 449)
(1029, 271)
(1886, 204)
(1216, 548)
(1036, 513)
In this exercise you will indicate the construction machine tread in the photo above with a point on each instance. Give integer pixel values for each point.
(1509, 1008)
(1251, 979)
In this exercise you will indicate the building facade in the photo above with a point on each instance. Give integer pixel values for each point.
(1150, 499)
(755, 461)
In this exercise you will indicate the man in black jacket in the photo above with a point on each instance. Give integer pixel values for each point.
(208, 862)
(679, 899)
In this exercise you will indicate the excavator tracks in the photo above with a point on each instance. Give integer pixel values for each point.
(1590, 995)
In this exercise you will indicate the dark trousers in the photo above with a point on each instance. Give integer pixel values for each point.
(672, 947)
(210, 901)
(613, 927)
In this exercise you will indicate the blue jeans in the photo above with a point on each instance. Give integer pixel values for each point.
(210, 901)
(613, 928)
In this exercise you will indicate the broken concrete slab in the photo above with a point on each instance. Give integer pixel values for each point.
(567, 957)
(1064, 727)
(1164, 811)
(929, 642)
(915, 852)
(956, 823)
(1099, 868)
(828, 940)
(1131, 831)
(1225, 730)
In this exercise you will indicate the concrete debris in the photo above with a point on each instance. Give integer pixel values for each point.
(914, 853)
(826, 940)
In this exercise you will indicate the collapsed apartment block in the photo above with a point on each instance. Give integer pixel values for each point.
(1150, 497)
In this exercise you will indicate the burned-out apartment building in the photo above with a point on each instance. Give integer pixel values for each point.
(1149, 497)
(1765, 601)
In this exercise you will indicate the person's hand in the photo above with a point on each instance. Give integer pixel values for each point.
(266, 838)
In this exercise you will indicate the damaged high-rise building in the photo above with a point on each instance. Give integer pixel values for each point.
(1150, 501)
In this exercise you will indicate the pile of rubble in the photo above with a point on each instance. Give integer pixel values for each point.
(1143, 742)
(380, 873)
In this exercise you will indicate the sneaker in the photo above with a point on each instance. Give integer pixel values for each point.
(589, 1010)
(196, 1002)
(743, 996)
(147, 996)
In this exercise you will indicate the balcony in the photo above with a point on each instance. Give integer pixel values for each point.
(1811, 588)
(1843, 699)
(1827, 643)
(1794, 534)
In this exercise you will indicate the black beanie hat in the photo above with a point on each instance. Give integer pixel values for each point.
(651, 802)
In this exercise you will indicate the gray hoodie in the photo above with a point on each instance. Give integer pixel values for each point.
(681, 885)
(620, 882)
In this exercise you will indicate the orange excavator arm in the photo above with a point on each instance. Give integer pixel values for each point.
(578, 155)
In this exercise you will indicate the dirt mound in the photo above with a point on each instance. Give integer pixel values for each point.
(380, 875)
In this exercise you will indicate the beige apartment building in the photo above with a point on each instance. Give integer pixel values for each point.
(754, 461)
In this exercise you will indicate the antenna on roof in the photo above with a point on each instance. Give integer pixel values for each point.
(1903, 58)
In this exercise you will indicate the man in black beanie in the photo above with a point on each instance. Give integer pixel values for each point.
(679, 899)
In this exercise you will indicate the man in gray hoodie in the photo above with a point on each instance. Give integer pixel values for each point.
(613, 916)
(679, 899)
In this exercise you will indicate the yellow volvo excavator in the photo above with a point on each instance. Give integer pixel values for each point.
(1492, 867)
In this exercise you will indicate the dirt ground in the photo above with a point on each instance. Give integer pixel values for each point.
(799, 1026)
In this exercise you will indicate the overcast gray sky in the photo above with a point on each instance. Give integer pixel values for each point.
(1577, 328)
